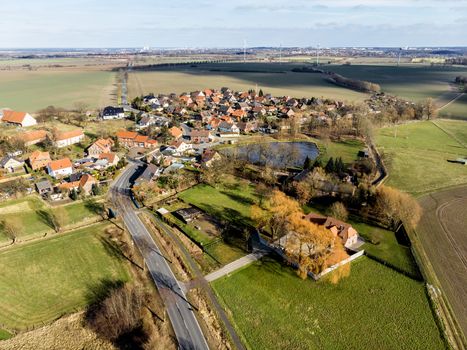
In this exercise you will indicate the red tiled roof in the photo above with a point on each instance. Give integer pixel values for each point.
(60, 164)
(123, 134)
(32, 135)
(38, 155)
(109, 156)
(13, 116)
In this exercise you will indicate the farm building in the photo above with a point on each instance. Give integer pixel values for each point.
(67, 138)
(187, 214)
(17, 118)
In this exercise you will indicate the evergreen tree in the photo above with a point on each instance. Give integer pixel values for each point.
(339, 166)
(330, 166)
(261, 94)
(318, 163)
(73, 194)
(96, 190)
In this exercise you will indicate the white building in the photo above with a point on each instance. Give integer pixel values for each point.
(60, 168)
(68, 138)
(18, 118)
(113, 113)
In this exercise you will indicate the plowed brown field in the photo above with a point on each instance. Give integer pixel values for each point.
(443, 234)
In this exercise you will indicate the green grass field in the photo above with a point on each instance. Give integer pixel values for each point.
(43, 280)
(417, 158)
(4, 334)
(346, 149)
(383, 245)
(25, 211)
(231, 202)
(456, 110)
(374, 308)
(410, 81)
(33, 90)
(272, 78)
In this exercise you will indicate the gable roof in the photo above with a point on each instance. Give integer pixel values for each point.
(86, 179)
(38, 155)
(175, 132)
(13, 116)
(6, 159)
(109, 156)
(123, 134)
(103, 144)
(32, 135)
(60, 164)
(65, 135)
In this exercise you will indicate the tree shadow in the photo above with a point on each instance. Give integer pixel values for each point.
(95, 207)
(46, 217)
(238, 197)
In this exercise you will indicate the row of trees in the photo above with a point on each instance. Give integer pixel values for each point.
(359, 85)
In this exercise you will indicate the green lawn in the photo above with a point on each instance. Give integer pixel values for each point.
(417, 159)
(33, 90)
(4, 334)
(45, 279)
(231, 201)
(457, 109)
(379, 242)
(374, 308)
(25, 210)
(383, 244)
(346, 149)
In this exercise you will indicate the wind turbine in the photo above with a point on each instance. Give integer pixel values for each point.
(400, 53)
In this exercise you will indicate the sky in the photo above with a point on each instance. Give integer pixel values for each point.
(227, 23)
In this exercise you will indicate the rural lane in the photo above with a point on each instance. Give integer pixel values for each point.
(180, 311)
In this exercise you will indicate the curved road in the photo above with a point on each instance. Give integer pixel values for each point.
(179, 310)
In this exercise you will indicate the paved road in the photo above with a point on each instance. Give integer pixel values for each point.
(200, 282)
(180, 311)
(235, 265)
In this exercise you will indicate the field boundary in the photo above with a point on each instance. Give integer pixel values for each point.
(442, 310)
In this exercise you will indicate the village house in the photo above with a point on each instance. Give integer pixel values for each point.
(100, 146)
(67, 138)
(344, 231)
(84, 184)
(22, 119)
(180, 147)
(200, 136)
(11, 164)
(133, 139)
(112, 158)
(208, 157)
(44, 187)
(176, 132)
(32, 137)
(60, 168)
(39, 160)
(110, 112)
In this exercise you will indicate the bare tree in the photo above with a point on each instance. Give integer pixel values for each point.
(11, 228)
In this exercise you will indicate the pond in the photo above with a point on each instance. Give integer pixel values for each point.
(275, 154)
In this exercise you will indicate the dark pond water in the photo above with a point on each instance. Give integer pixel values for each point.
(275, 154)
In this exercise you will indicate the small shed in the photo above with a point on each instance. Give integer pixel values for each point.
(187, 214)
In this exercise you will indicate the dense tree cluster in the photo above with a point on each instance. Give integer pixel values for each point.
(354, 84)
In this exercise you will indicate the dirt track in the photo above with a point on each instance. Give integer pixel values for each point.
(443, 234)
